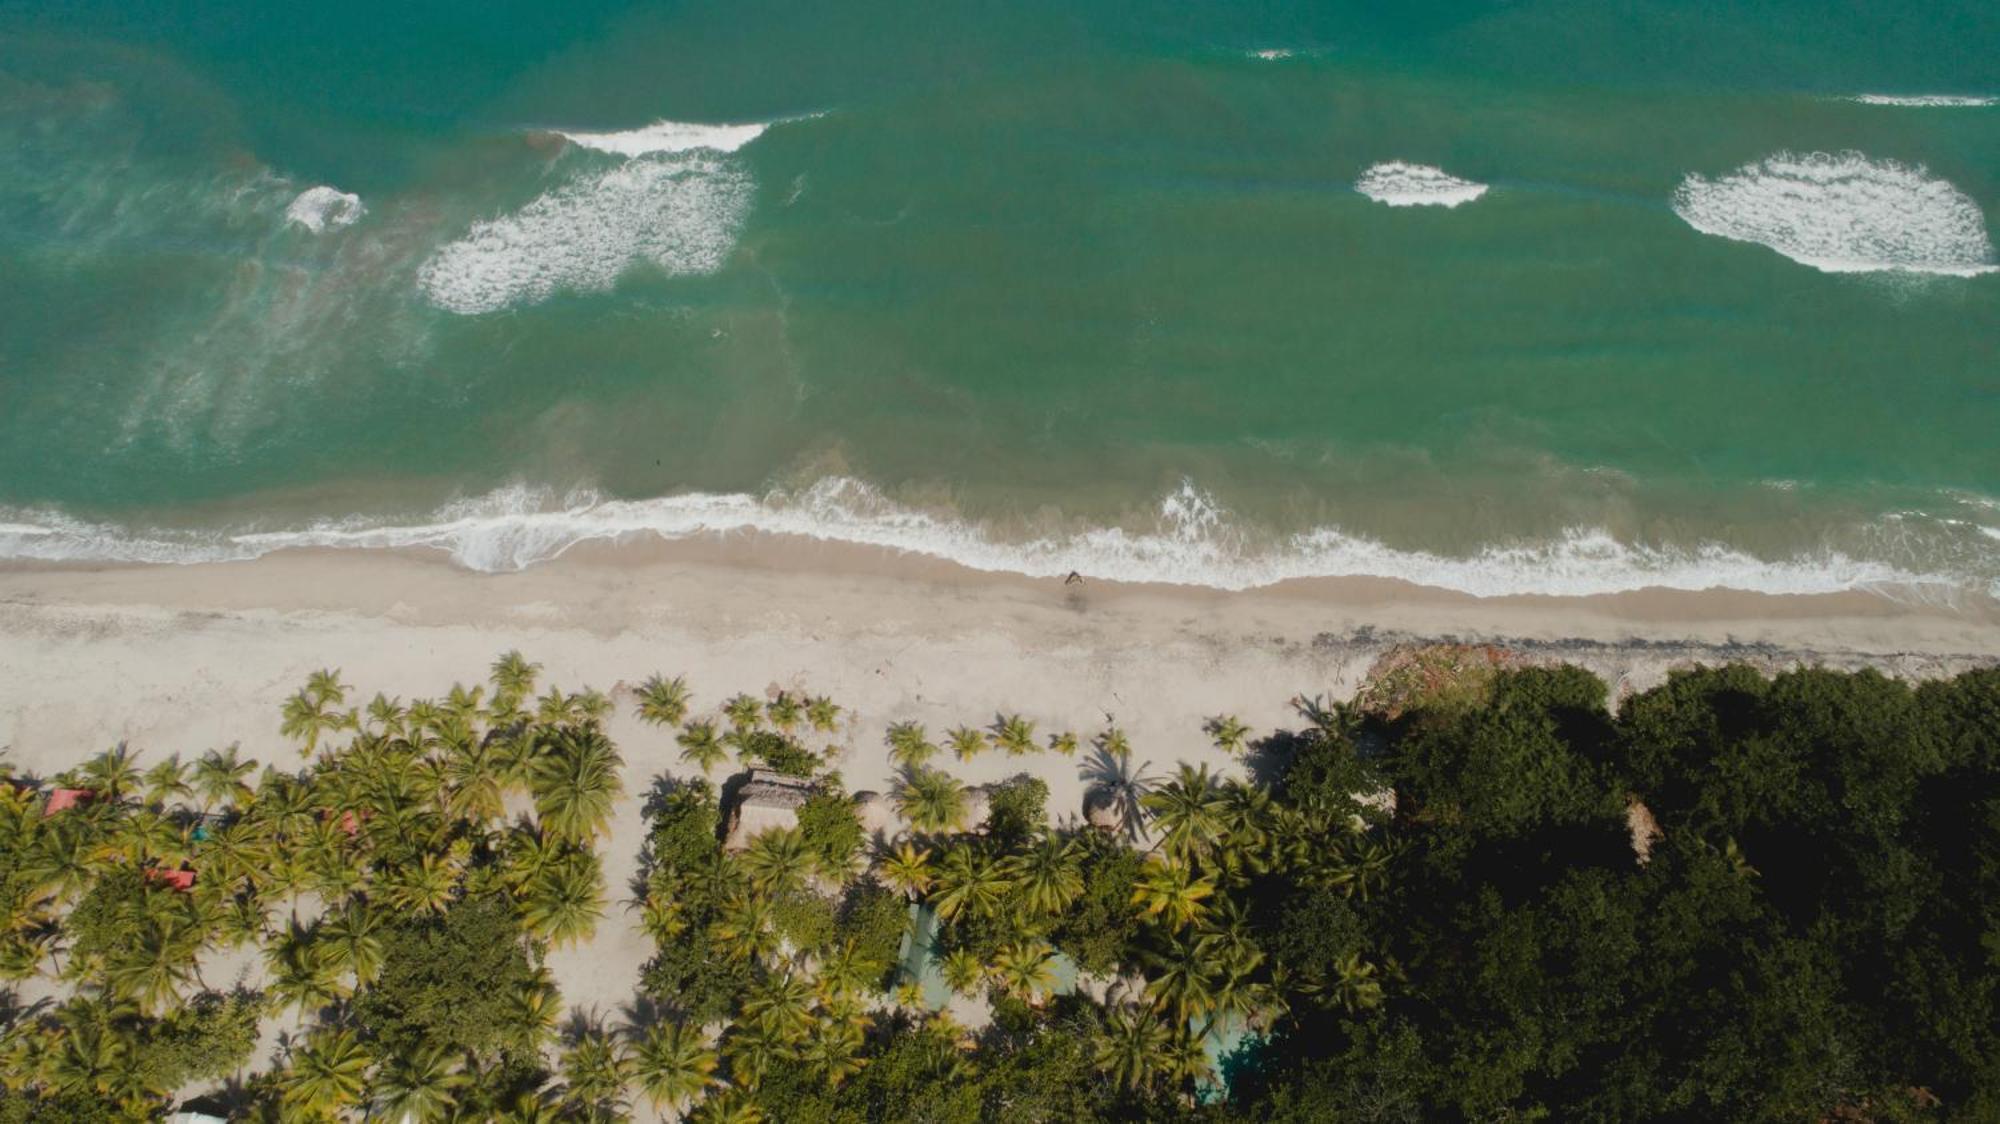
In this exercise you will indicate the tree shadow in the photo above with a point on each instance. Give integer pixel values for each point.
(1110, 774)
(1269, 758)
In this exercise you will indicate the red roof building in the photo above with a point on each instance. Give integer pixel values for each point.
(182, 880)
(63, 799)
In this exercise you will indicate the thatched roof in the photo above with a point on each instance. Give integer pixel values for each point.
(766, 801)
(1101, 810)
(978, 804)
(1644, 829)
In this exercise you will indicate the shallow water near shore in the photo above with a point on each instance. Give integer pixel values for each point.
(1537, 298)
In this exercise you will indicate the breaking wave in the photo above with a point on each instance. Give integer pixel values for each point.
(676, 201)
(680, 213)
(1416, 185)
(317, 208)
(1191, 541)
(669, 136)
(1926, 101)
(1843, 213)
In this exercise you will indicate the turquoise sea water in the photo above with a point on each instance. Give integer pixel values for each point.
(1034, 286)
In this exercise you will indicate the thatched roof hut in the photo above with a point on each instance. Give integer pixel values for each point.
(978, 805)
(1643, 828)
(765, 801)
(1101, 810)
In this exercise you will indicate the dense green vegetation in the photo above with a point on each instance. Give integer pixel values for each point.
(1736, 898)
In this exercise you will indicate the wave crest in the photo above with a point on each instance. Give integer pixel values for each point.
(679, 212)
(1416, 185)
(1927, 101)
(1843, 213)
(1192, 541)
(317, 208)
(669, 136)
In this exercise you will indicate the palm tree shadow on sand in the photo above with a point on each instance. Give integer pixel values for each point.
(1110, 777)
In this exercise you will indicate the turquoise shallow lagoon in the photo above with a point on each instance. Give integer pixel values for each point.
(1646, 294)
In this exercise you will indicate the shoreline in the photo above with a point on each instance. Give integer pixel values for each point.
(185, 658)
(351, 579)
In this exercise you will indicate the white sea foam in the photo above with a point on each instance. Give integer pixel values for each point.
(1191, 542)
(1273, 54)
(1843, 213)
(670, 136)
(1927, 101)
(317, 208)
(1416, 185)
(677, 202)
(679, 212)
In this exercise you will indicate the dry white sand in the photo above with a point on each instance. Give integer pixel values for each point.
(183, 659)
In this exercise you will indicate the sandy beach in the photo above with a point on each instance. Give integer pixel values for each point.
(184, 658)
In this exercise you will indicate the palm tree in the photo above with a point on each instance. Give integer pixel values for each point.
(700, 747)
(304, 973)
(785, 712)
(963, 970)
(673, 1065)
(351, 940)
(1052, 874)
(1184, 983)
(907, 868)
(472, 775)
(966, 742)
(844, 973)
(1026, 969)
(752, 1049)
(112, 774)
(1361, 868)
(910, 745)
(833, 1054)
(743, 927)
(166, 781)
(930, 800)
(777, 862)
(235, 852)
(566, 901)
(315, 710)
(575, 783)
(328, 1073)
(1063, 743)
(419, 1088)
(1354, 986)
(1228, 732)
(782, 1006)
(663, 701)
(535, 1009)
(969, 882)
(153, 968)
(1191, 811)
(426, 884)
(822, 714)
(386, 716)
(1133, 1049)
(66, 859)
(596, 1068)
(465, 705)
(89, 1055)
(744, 712)
(513, 680)
(1171, 891)
(731, 1106)
(1014, 734)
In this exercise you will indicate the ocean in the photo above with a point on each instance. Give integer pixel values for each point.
(1547, 296)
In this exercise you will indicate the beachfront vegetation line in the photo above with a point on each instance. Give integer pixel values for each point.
(1473, 893)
